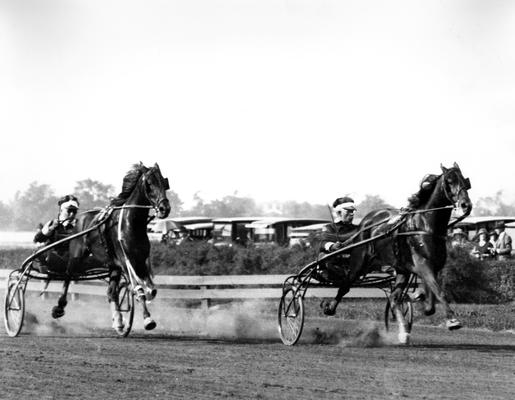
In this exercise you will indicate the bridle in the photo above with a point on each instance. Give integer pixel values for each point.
(165, 186)
(463, 185)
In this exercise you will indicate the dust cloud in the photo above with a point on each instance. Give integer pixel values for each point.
(363, 334)
(247, 320)
(235, 321)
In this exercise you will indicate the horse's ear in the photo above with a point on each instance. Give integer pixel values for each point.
(456, 165)
(444, 170)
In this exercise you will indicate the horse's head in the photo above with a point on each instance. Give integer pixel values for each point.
(155, 186)
(455, 187)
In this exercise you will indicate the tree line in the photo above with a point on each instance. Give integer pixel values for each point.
(38, 204)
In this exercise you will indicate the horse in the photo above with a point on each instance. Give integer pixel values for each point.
(412, 240)
(120, 243)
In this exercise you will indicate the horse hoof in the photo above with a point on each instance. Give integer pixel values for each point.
(57, 312)
(429, 312)
(329, 308)
(149, 324)
(418, 295)
(403, 337)
(453, 324)
(152, 294)
(118, 324)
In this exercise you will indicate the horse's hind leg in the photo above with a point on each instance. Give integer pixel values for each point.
(329, 307)
(429, 305)
(396, 302)
(58, 310)
(357, 260)
(112, 297)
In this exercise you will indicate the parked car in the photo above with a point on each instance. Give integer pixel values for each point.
(228, 231)
(304, 235)
(177, 229)
(278, 230)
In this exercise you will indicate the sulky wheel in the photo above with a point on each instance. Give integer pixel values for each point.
(406, 309)
(291, 316)
(14, 305)
(126, 304)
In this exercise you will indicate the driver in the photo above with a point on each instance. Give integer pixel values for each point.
(57, 229)
(334, 236)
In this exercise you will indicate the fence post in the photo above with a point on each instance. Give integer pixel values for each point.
(75, 296)
(44, 293)
(204, 302)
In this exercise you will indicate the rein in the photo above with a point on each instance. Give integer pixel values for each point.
(131, 206)
(402, 220)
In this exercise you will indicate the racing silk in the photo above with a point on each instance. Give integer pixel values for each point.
(336, 232)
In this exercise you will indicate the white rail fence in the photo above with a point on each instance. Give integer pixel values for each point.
(204, 288)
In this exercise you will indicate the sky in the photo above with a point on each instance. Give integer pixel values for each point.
(302, 100)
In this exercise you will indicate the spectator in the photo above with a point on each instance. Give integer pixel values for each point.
(493, 237)
(459, 238)
(502, 248)
(483, 248)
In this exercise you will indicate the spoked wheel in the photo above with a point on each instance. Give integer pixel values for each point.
(407, 312)
(126, 304)
(14, 306)
(291, 316)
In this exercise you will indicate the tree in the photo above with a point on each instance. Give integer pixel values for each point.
(228, 206)
(6, 216)
(370, 203)
(493, 205)
(93, 194)
(37, 204)
(175, 203)
(295, 209)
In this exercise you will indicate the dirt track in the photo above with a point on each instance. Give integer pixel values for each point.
(236, 353)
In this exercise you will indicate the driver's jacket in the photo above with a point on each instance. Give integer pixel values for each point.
(53, 231)
(336, 232)
(336, 266)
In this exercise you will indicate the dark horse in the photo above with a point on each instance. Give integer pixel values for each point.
(415, 242)
(121, 243)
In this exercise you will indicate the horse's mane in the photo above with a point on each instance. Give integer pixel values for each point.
(426, 188)
(129, 182)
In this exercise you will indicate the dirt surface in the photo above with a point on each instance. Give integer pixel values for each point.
(235, 352)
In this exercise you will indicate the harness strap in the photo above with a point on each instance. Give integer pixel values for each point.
(414, 233)
(132, 273)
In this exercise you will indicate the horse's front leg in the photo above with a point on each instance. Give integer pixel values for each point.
(58, 310)
(396, 300)
(148, 322)
(424, 269)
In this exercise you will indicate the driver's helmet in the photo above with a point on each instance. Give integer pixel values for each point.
(68, 207)
(344, 209)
